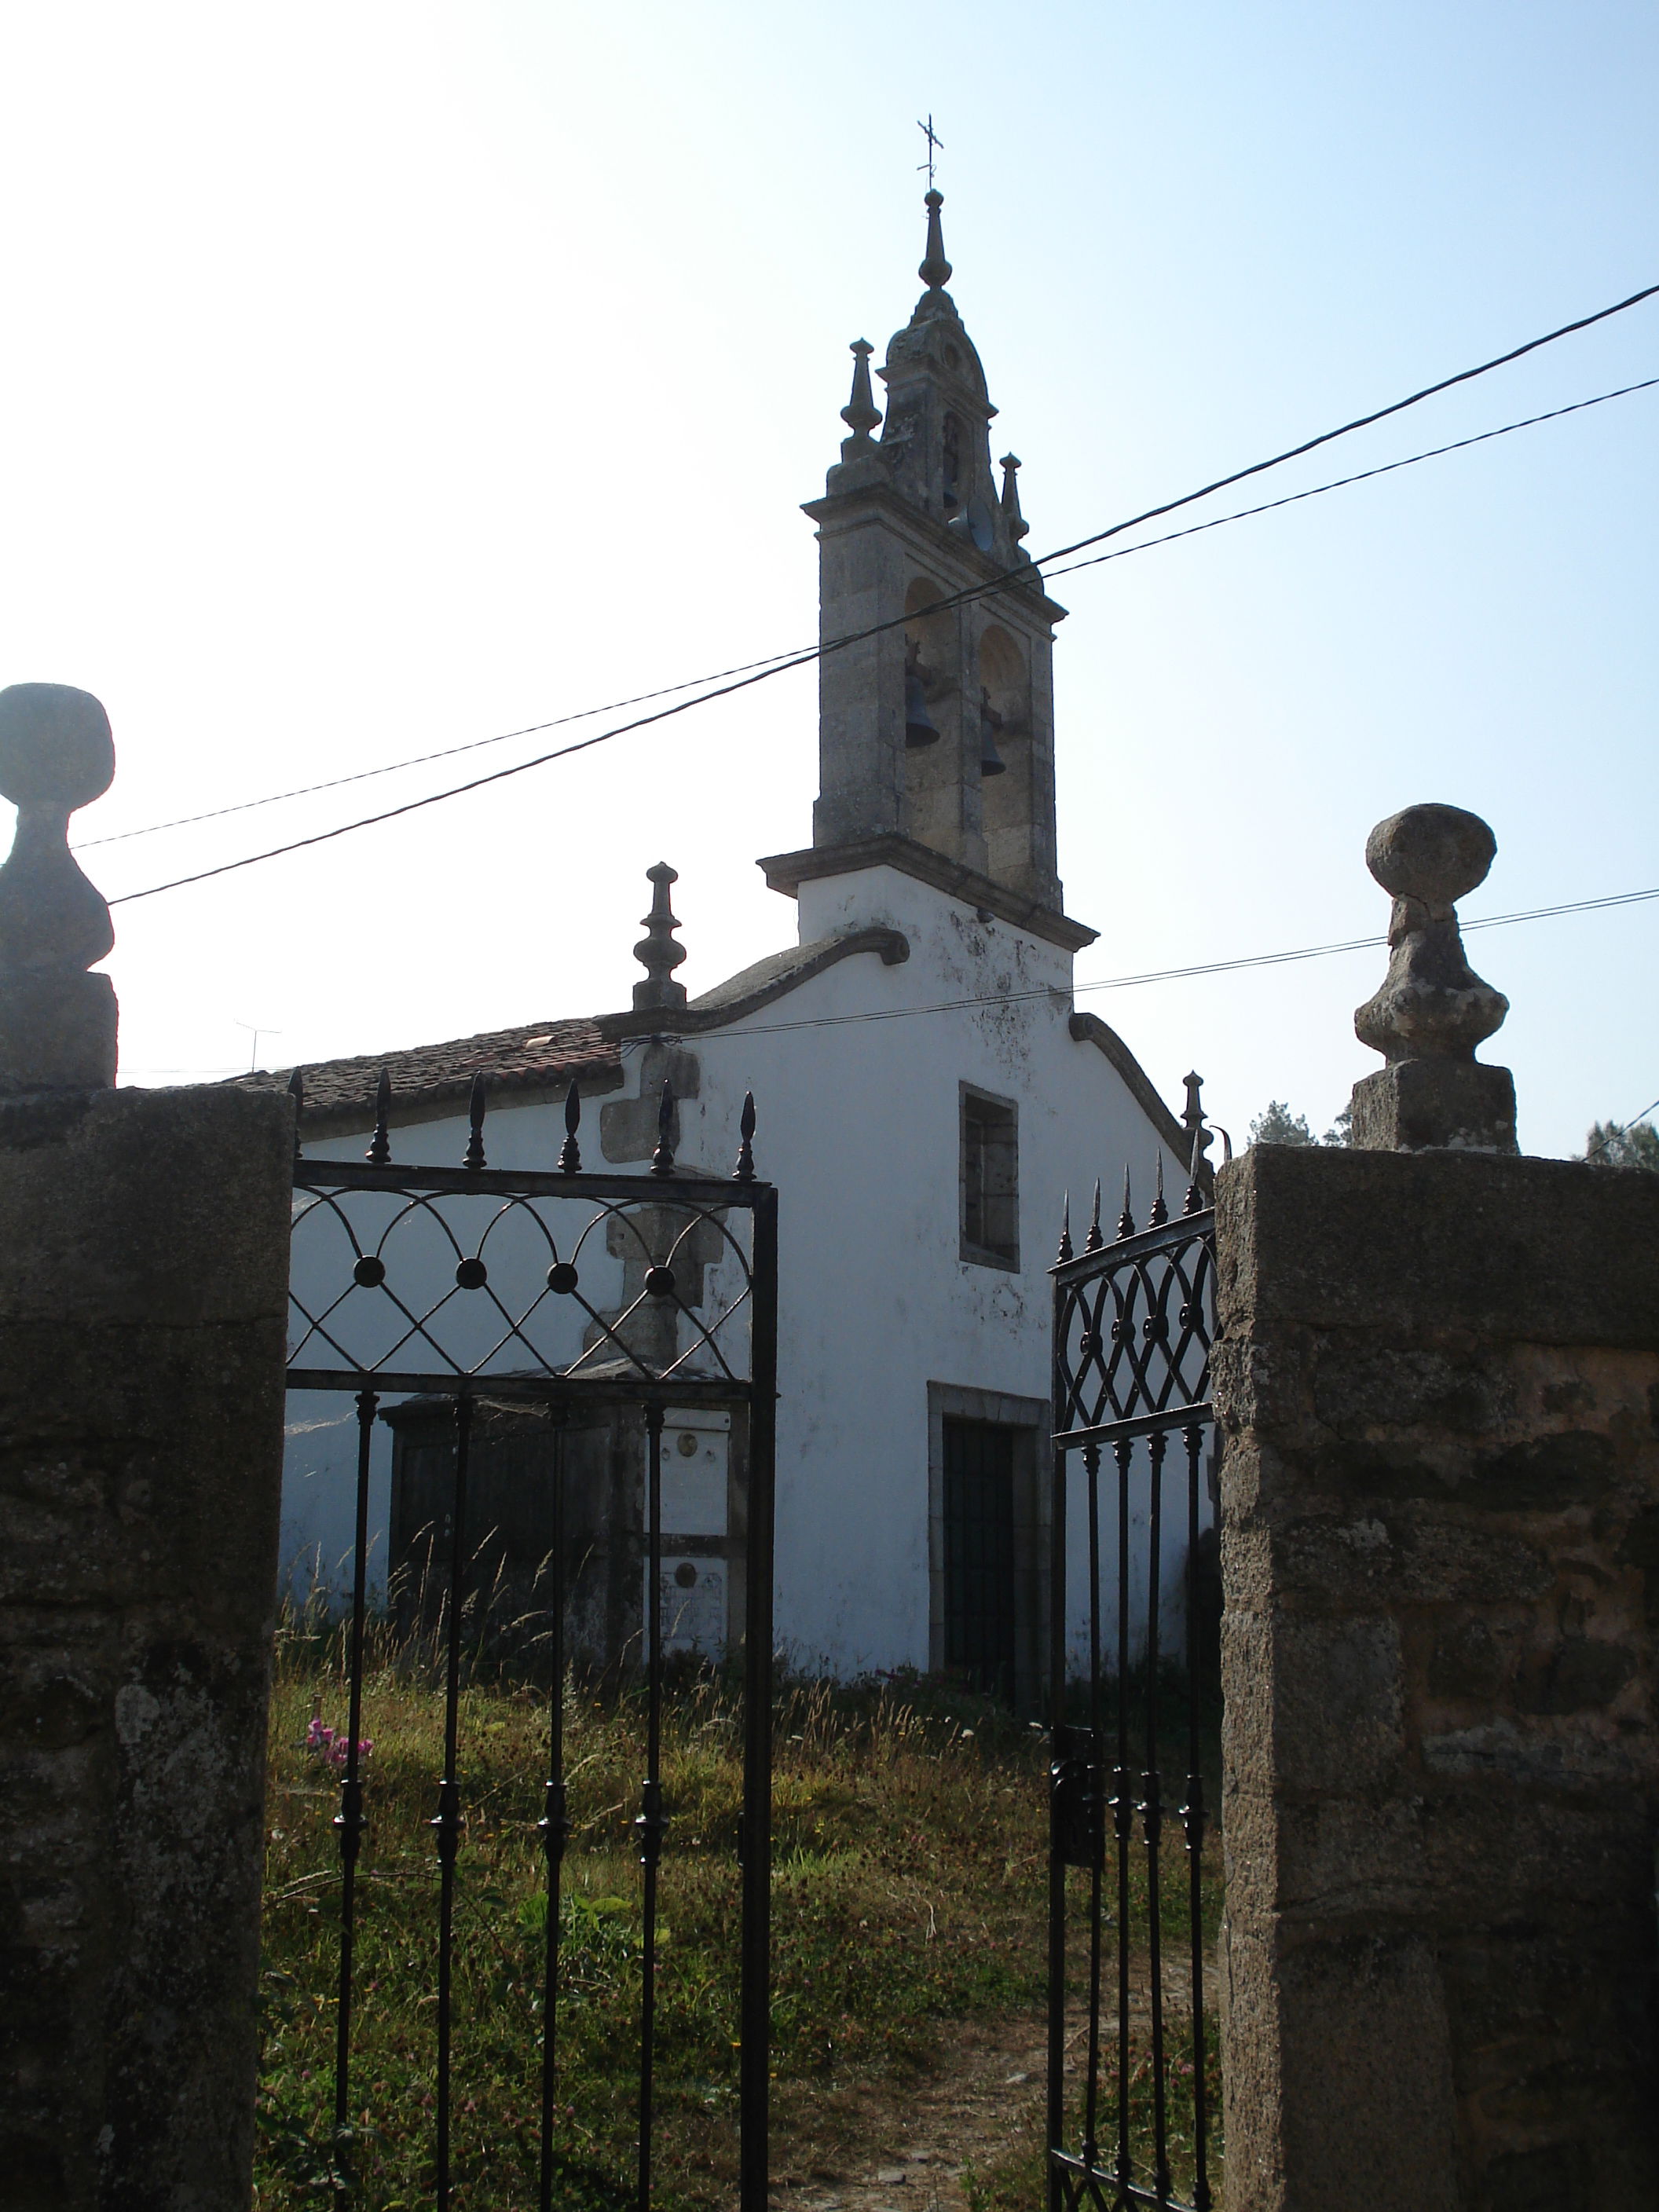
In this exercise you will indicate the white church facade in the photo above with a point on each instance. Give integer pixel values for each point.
(927, 1093)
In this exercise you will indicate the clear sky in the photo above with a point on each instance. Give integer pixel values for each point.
(384, 377)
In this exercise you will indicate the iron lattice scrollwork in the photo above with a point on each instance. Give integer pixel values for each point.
(373, 1319)
(559, 1289)
(1134, 1330)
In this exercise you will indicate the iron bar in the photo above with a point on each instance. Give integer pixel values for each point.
(349, 1821)
(447, 1821)
(1122, 1815)
(650, 1821)
(755, 2001)
(1092, 2093)
(1191, 1822)
(1139, 1424)
(379, 1154)
(510, 1388)
(1133, 1332)
(1151, 1814)
(1057, 1743)
(475, 1161)
(554, 1825)
(571, 1153)
(689, 1190)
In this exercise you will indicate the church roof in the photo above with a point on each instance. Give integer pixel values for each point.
(534, 1056)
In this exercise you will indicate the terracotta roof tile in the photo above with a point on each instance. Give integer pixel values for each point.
(534, 1056)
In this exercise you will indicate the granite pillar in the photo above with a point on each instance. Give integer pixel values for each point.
(1438, 1387)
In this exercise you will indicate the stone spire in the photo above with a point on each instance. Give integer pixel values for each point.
(935, 270)
(861, 413)
(1432, 1009)
(57, 1023)
(1013, 521)
(657, 951)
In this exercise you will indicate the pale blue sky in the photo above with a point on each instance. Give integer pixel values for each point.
(381, 377)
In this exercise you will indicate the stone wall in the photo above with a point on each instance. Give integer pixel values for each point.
(143, 1266)
(1439, 1385)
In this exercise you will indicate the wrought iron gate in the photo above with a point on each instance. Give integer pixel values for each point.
(1132, 1331)
(523, 1263)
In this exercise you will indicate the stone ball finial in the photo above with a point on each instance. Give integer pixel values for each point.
(1432, 1009)
(56, 754)
(1435, 853)
(55, 746)
(57, 1023)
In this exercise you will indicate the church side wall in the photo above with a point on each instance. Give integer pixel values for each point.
(859, 1126)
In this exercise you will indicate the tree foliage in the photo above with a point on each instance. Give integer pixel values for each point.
(1277, 1125)
(1635, 1145)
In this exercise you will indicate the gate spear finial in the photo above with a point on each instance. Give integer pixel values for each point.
(1094, 1240)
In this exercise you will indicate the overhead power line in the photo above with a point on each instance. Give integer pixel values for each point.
(797, 652)
(1340, 483)
(1013, 579)
(1620, 1129)
(446, 752)
(1160, 975)
(1101, 983)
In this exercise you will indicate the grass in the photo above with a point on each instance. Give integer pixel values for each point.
(910, 1892)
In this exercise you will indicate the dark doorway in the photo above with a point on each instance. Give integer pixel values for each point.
(979, 1555)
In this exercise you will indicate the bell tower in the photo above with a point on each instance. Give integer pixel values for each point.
(935, 734)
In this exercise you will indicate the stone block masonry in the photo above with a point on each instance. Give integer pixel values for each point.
(143, 1270)
(1439, 1385)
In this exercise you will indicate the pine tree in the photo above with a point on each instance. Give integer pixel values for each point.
(1636, 1145)
(1277, 1125)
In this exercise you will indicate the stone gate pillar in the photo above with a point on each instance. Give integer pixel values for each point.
(1439, 1385)
(143, 1270)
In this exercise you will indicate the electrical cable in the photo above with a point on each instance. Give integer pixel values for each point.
(743, 668)
(1014, 579)
(1623, 1130)
(1101, 983)
(448, 752)
(1161, 974)
(1340, 483)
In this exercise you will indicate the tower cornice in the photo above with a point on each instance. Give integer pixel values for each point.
(933, 541)
(787, 872)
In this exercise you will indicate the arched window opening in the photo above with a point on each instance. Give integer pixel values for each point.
(1002, 678)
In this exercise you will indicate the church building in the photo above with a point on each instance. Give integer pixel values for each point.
(928, 1094)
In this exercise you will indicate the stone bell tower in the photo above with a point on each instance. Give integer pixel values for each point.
(935, 734)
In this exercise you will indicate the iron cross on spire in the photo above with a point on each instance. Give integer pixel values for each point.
(935, 145)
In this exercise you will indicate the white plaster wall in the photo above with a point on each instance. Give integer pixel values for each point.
(858, 1127)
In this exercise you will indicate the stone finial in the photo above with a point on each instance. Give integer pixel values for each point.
(1012, 520)
(861, 413)
(57, 1023)
(935, 270)
(1432, 1009)
(1199, 1139)
(657, 951)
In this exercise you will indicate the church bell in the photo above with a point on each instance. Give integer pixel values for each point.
(920, 728)
(991, 762)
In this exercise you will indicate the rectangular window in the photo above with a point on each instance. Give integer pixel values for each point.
(979, 1555)
(990, 1180)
